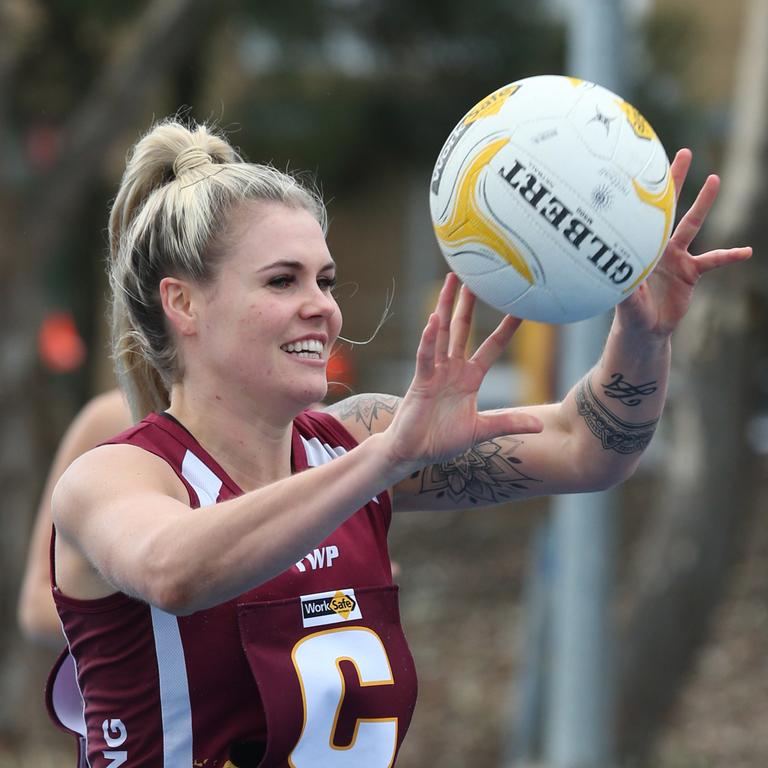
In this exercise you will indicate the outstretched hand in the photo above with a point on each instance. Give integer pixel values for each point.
(660, 303)
(438, 418)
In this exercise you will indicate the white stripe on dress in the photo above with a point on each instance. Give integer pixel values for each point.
(175, 706)
(206, 484)
(320, 453)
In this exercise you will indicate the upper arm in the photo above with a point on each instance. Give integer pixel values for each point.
(365, 415)
(108, 508)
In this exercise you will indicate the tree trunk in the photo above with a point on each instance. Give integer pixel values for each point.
(33, 220)
(705, 505)
(706, 500)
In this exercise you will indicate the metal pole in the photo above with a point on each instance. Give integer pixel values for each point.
(579, 728)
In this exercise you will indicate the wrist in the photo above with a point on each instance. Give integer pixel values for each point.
(640, 339)
(394, 466)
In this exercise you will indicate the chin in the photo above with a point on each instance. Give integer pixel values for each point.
(300, 392)
(312, 397)
(318, 400)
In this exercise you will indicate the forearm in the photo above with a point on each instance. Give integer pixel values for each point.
(219, 553)
(614, 409)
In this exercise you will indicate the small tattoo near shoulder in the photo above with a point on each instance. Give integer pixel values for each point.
(628, 394)
(365, 409)
(614, 433)
(486, 474)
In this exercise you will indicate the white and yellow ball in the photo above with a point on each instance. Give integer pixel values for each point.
(552, 199)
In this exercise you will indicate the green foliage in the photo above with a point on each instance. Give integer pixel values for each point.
(426, 64)
(660, 92)
(355, 88)
(64, 54)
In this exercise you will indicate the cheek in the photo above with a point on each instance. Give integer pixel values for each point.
(252, 316)
(260, 325)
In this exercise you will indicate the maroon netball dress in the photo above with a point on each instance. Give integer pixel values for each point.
(310, 669)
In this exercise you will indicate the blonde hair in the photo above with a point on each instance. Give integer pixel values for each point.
(169, 218)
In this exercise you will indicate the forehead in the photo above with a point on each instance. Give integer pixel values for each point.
(264, 232)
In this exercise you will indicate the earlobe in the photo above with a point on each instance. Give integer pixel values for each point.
(178, 306)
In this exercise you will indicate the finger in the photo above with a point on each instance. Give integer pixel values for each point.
(689, 226)
(506, 421)
(444, 310)
(425, 354)
(493, 347)
(680, 167)
(461, 323)
(720, 257)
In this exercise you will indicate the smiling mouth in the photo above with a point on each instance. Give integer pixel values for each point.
(308, 349)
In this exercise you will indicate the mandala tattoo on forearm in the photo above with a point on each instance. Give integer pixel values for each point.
(614, 433)
(628, 394)
(365, 409)
(483, 475)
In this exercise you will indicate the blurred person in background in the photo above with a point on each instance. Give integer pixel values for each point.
(221, 568)
(101, 418)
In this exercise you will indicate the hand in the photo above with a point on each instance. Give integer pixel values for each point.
(438, 418)
(660, 303)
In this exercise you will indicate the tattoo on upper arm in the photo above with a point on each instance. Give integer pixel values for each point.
(484, 475)
(365, 409)
(629, 394)
(615, 434)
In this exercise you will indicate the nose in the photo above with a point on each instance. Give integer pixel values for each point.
(318, 303)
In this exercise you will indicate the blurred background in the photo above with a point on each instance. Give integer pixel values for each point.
(362, 94)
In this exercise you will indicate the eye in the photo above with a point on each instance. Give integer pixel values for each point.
(327, 283)
(282, 281)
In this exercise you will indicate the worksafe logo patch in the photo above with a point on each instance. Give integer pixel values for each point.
(329, 608)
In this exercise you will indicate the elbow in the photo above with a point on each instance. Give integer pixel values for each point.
(171, 592)
(612, 474)
(601, 466)
(171, 586)
(174, 599)
(160, 572)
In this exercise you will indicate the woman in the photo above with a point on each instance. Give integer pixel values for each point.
(100, 418)
(223, 606)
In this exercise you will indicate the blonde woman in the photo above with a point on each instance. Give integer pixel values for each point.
(221, 568)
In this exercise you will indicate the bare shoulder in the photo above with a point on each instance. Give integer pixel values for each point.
(102, 417)
(365, 415)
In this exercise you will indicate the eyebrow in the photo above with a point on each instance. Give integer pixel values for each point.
(297, 265)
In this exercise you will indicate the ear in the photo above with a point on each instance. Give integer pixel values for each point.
(179, 306)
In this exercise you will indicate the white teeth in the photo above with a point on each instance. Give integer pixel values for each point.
(305, 345)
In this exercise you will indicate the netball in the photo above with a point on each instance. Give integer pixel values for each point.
(552, 199)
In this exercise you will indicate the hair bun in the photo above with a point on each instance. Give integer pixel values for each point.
(190, 158)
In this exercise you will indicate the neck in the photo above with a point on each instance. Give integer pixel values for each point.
(254, 450)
